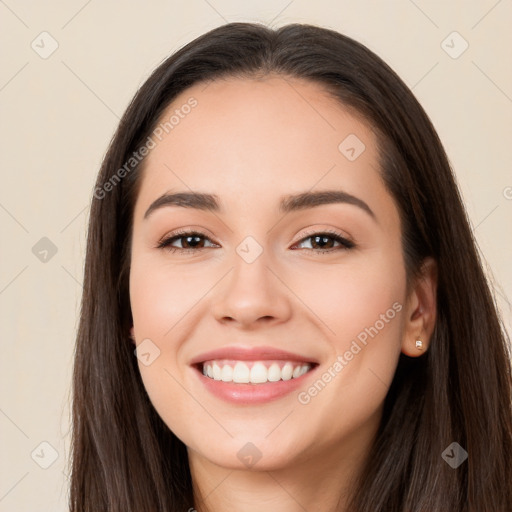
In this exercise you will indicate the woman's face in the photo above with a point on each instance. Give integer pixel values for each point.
(280, 280)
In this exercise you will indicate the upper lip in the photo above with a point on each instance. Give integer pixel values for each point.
(263, 353)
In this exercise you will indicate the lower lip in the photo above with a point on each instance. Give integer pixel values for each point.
(252, 393)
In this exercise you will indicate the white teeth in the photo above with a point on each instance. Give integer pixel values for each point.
(255, 372)
(287, 371)
(274, 373)
(241, 373)
(258, 374)
(217, 372)
(227, 373)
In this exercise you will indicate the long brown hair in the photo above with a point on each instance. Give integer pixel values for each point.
(125, 459)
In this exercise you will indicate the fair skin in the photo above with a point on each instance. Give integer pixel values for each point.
(250, 142)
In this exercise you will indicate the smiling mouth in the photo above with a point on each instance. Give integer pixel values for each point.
(253, 372)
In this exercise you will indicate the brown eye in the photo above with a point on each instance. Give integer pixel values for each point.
(189, 241)
(322, 241)
(325, 242)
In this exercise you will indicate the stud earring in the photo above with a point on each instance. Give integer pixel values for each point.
(419, 344)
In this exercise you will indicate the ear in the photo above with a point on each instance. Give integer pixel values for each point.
(132, 335)
(420, 310)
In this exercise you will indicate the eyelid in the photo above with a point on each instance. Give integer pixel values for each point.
(327, 231)
(182, 232)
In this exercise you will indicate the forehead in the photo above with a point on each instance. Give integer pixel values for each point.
(254, 140)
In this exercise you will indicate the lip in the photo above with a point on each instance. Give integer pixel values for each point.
(263, 353)
(237, 393)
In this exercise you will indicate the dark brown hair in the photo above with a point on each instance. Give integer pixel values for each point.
(125, 459)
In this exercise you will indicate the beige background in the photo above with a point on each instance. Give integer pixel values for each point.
(59, 113)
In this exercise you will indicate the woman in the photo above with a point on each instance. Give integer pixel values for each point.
(283, 304)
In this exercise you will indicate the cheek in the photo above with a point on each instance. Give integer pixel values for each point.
(350, 298)
(360, 307)
(362, 310)
(366, 305)
(161, 296)
(159, 304)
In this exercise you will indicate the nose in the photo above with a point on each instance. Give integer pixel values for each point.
(252, 295)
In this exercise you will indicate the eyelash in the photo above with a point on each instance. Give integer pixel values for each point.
(336, 236)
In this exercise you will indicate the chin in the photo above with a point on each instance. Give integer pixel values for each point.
(251, 452)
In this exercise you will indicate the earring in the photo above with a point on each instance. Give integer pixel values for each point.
(419, 344)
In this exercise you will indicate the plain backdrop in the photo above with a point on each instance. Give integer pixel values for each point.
(68, 72)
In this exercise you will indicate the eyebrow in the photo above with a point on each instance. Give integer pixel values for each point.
(289, 203)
